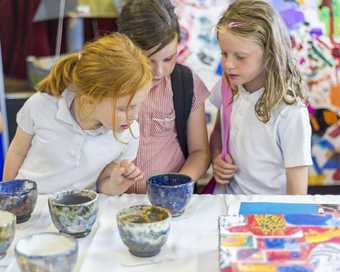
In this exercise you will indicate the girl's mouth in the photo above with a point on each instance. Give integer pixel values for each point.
(233, 76)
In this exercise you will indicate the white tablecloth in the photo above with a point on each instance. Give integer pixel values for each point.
(192, 244)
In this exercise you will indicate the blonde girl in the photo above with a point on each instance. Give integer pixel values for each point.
(80, 128)
(270, 134)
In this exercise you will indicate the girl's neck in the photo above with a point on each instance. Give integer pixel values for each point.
(84, 123)
(255, 84)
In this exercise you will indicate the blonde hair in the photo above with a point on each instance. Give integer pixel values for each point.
(258, 21)
(111, 66)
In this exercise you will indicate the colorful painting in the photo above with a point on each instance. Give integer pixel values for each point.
(314, 26)
(288, 208)
(279, 243)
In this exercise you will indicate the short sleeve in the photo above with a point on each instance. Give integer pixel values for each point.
(130, 152)
(201, 93)
(216, 95)
(295, 136)
(25, 116)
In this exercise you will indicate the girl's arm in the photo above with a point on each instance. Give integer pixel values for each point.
(117, 177)
(297, 180)
(16, 153)
(198, 160)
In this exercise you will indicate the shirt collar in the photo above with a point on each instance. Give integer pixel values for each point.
(64, 114)
(254, 96)
(64, 104)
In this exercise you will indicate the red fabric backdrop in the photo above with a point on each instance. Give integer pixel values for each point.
(21, 37)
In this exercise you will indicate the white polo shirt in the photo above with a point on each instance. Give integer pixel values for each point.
(62, 155)
(263, 151)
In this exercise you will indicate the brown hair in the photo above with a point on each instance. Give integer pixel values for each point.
(149, 23)
(112, 66)
(258, 21)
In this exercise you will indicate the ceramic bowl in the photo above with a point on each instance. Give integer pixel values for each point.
(7, 231)
(172, 191)
(47, 252)
(144, 229)
(19, 197)
(74, 212)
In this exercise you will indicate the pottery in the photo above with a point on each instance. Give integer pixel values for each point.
(171, 191)
(47, 252)
(144, 229)
(7, 231)
(18, 197)
(74, 212)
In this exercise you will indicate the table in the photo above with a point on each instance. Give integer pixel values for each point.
(192, 244)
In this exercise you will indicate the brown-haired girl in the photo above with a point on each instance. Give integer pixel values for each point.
(152, 25)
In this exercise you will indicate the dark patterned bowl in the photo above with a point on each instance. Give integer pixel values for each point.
(7, 231)
(144, 229)
(74, 212)
(18, 196)
(47, 252)
(172, 191)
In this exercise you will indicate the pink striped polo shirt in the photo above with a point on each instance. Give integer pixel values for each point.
(159, 150)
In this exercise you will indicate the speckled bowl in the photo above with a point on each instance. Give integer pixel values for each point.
(19, 197)
(172, 191)
(7, 231)
(74, 212)
(144, 229)
(47, 252)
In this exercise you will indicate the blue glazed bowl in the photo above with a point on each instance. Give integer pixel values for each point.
(172, 191)
(74, 212)
(7, 231)
(47, 252)
(19, 197)
(144, 229)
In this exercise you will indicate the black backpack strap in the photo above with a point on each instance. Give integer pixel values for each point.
(182, 87)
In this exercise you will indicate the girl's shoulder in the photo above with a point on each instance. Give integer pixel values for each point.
(286, 111)
(215, 94)
(42, 99)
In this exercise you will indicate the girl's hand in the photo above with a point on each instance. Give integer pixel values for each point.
(223, 171)
(117, 177)
(131, 171)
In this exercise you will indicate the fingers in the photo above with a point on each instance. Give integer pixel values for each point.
(227, 169)
(223, 170)
(227, 164)
(139, 177)
(132, 172)
(116, 173)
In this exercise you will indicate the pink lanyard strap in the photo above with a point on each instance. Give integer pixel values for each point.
(226, 109)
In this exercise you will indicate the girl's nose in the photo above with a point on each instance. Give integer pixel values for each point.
(157, 71)
(229, 63)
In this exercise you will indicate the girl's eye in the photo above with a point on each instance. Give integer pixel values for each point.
(240, 57)
(169, 58)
